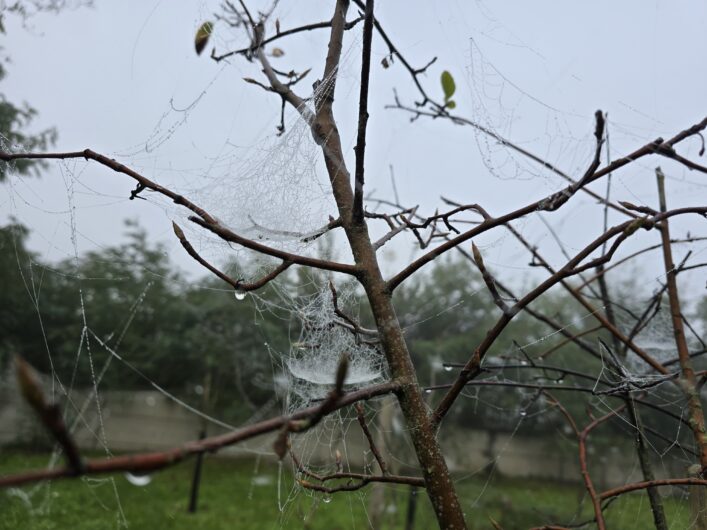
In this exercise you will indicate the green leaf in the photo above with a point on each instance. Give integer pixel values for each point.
(202, 36)
(448, 85)
(450, 104)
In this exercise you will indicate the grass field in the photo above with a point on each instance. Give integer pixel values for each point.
(234, 495)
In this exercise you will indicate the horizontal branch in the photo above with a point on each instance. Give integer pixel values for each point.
(230, 236)
(280, 35)
(144, 182)
(648, 484)
(363, 480)
(149, 462)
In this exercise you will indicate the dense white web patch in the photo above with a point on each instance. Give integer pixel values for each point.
(312, 362)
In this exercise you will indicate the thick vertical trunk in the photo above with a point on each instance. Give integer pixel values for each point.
(421, 429)
(439, 485)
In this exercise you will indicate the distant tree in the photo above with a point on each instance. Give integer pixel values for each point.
(16, 118)
(19, 329)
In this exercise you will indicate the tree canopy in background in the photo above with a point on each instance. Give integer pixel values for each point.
(179, 333)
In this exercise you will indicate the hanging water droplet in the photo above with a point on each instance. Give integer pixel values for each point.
(138, 480)
(523, 413)
(326, 499)
(560, 381)
(240, 295)
(524, 363)
(448, 368)
(428, 391)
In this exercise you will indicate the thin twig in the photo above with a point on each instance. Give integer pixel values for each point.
(371, 443)
(360, 148)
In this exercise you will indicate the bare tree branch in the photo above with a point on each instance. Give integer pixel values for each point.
(148, 462)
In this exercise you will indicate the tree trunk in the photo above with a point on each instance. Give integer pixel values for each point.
(439, 485)
(438, 482)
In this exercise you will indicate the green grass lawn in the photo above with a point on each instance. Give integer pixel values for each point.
(236, 495)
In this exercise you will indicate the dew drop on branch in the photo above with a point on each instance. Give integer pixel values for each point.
(240, 295)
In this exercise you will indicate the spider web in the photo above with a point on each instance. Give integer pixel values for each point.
(273, 192)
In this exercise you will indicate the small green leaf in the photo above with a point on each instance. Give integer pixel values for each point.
(202, 36)
(448, 85)
(450, 104)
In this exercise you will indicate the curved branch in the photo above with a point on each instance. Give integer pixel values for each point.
(228, 235)
(204, 219)
(648, 484)
(236, 284)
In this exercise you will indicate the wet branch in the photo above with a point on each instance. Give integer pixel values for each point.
(239, 285)
(147, 462)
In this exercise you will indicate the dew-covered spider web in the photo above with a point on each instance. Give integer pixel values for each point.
(282, 350)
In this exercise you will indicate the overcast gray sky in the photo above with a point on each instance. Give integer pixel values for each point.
(117, 78)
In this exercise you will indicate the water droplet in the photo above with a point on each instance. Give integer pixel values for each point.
(428, 391)
(199, 390)
(326, 499)
(448, 368)
(523, 413)
(524, 363)
(560, 381)
(240, 295)
(138, 480)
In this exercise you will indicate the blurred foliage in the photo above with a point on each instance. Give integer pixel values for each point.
(17, 118)
(217, 353)
(175, 333)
